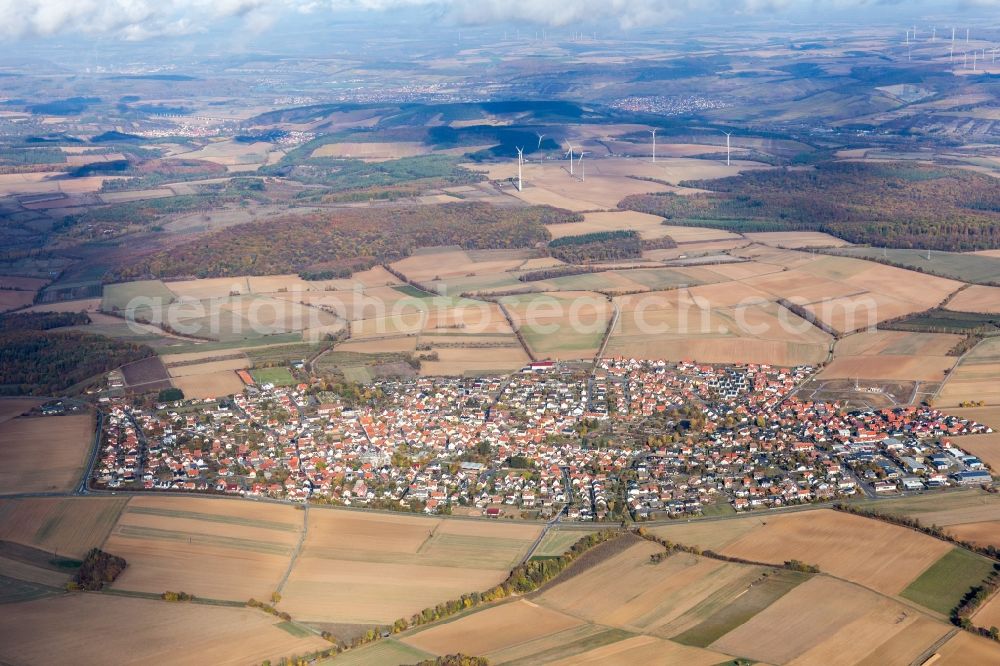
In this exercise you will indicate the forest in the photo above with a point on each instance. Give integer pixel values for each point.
(47, 363)
(597, 246)
(41, 321)
(899, 205)
(313, 244)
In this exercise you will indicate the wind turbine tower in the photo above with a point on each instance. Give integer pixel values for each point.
(933, 34)
(728, 147)
(966, 35)
(570, 153)
(653, 132)
(583, 168)
(520, 165)
(952, 56)
(540, 137)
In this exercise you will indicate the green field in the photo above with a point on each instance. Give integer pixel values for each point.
(742, 608)
(556, 542)
(387, 652)
(276, 376)
(118, 296)
(284, 353)
(294, 629)
(947, 321)
(956, 265)
(943, 585)
(13, 590)
(214, 518)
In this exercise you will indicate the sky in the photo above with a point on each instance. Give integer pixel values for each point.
(139, 20)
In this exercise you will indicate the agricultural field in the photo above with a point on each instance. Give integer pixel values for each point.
(15, 300)
(967, 267)
(976, 298)
(608, 180)
(892, 355)
(968, 515)
(850, 625)
(374, 151)
(965, 648)
(562, 325)
(209, 385)
(724, 323)
(276, 376)
(369, 568)
(67, 526)
(975, 377)
(212, 548)
(149, 374)
(126, 295)
(879, 556)
(44, 454)
(63, 629)
(942, 586)
(11, 408)
(796, 240)
(647, 226)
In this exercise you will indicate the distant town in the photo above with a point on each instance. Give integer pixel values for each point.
(651, 439)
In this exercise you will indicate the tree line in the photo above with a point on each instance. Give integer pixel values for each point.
(900, 205)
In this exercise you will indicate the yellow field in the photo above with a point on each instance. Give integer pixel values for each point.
(645, 650)
(213, 548)
(827, 621)
(888, 367)
(93, 628)
(368, 568)
(68, 526)
(44, 454)
(882, 557)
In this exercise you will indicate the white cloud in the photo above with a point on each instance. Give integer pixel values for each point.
(140, 19)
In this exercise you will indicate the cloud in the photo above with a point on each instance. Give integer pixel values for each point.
(143, 19)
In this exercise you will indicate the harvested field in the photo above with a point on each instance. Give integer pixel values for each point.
(964, 649)
(62, 629)
(493, 629)
(685, 234)
(645, 650)
(13, 300)
(976, 298)
(796, 240)
(975, 377)
(471, 360)
(982, 533)
(647, 226)
(850, 624)
(698, 324)
(210, 367)
(896, 368)
(882, 557)
(21, 283)
(897, 343)
(209, 287)
(212, 548)
(365, 568)
(989, 614)
(69, 526)
(211, 385)
(63, 442)
(668, 599)
(14, 407)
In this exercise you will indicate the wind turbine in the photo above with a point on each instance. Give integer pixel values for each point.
(653, 132)
(933, 34)
(583, 169)
(952, 56)
(966, 35)
(520, 163)
(728, 149)
(570, 153)
(540, 137)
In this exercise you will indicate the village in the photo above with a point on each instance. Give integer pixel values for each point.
(650, 439)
